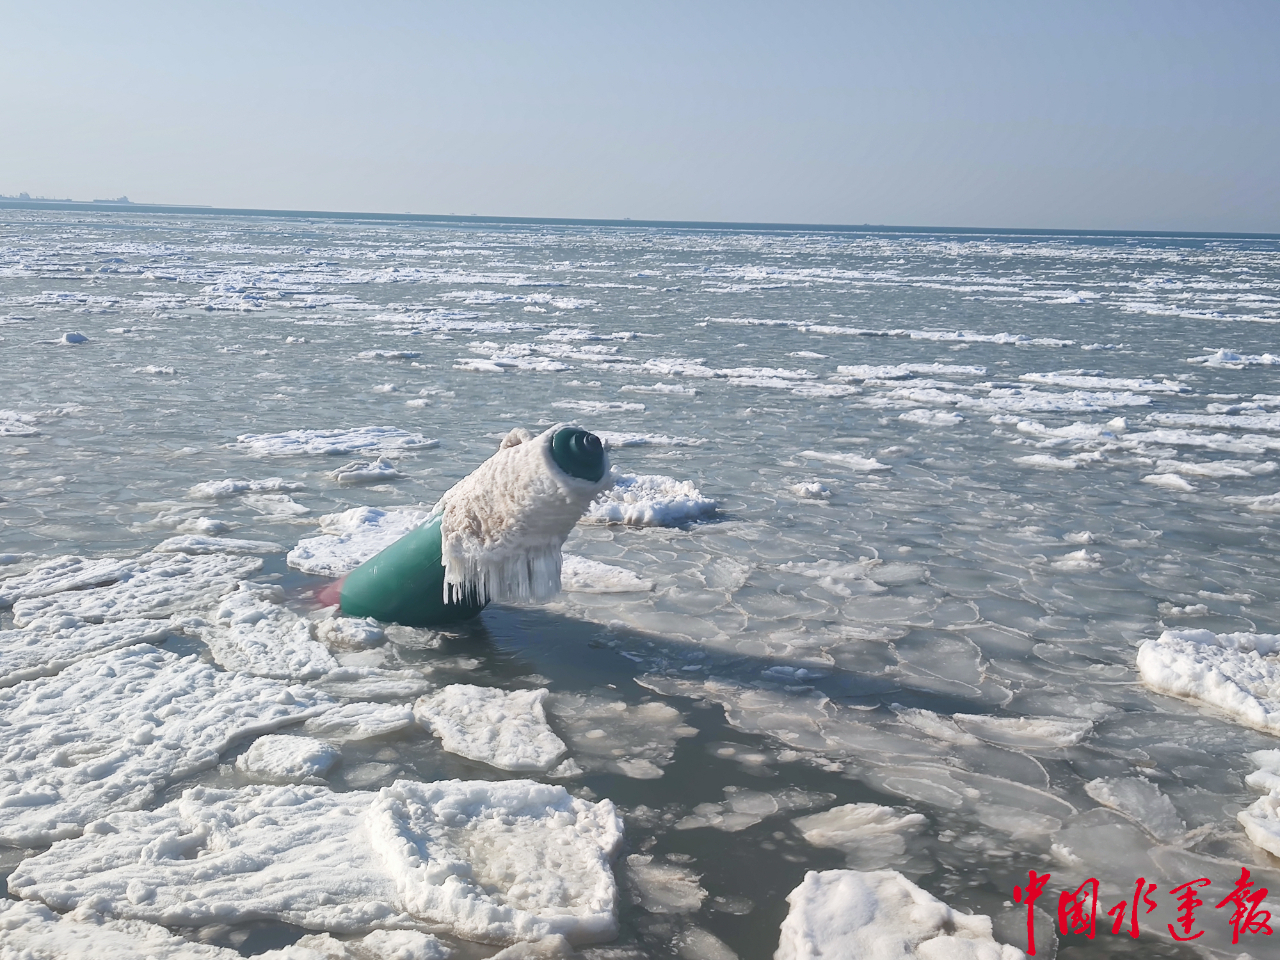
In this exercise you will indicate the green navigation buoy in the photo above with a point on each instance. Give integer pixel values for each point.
(405, 582)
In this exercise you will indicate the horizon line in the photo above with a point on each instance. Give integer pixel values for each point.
(197, 210)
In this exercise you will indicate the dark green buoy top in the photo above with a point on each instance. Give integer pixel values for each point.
(578, 453)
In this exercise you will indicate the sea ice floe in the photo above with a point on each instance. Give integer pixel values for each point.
(1142, 802)
(52, 643)
(662, 388)
(144, 717)
(880, 913)
(650, 500)
(811, 490)
(610, 735)
(197, 545)
(1095, 380)
(663, 888)
(285, 757)
(496, 862)
(360, 721)
(932, 418)
(600, 406)
(1269, 503)
(221, 489)
(848, 460)
(388, 355)
(157, 585)
(580, 575)
(505, 729)
(1237, 421)
(1237, 673)
(902, 371)
(64, 574)
(1170, 481)
(744, 808)
(372, 471)
(358, 440)
(352, 537)
(250, 630)
(1217, 469)
(1235, 361)
(616, 439)
(870, 836)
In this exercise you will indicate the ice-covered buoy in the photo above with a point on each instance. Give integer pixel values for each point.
(495, 535)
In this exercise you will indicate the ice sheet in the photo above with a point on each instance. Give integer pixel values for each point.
(507, 730)
(144, 718)
(287, 757)
(846, 913)
(354, 472)
(870, 836)
(581, 575)
(197, 545)
(52, 643)
(635, 740)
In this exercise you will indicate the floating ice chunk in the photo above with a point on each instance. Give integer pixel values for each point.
(50, 644)
(1170, 481)
(870, 836)
(31, 931)
(286, 757)
(274, 505)
(1238, 421)
(205, 526)
(506, 861)
(666, 388)
(15, 424)
(352, 537)
(507, 730)
(1093, 380)
(635, 740)
(1046, 462)
(63, 574)
(823, 390)
(1269, 503)
(880, 913)
(600, 406)
(166, 584)
(811, 490)
(663, 887)
(70, 339)
(1267, 776)
(253, 632)
(358, 440)
(1142, 802)
(221, 489)
(614, 439)
(143, 718)
(199, 545)
(1261, 822)
(1217, 469)
(1025, 732)
(156, 371)
(580, 575)
(360, 721)
(650, 500)
(932, 418)
(1251, 444)
(1238, 673)
(1235, 361)
(358, 471)
(901, 371)
(388, 355)
(378, 945)
(744, 808)
(850, 460)
(1080, 559)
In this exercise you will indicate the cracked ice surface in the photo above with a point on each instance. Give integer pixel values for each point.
(145, 718)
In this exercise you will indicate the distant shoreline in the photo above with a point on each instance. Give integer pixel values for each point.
(99, 206)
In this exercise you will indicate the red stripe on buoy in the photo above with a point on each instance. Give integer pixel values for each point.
(332, 594)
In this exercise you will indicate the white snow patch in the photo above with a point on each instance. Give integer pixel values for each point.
(650, 500)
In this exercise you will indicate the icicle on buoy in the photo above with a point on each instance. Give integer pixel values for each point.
(495, 535)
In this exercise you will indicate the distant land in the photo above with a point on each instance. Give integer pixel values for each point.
(124, 205)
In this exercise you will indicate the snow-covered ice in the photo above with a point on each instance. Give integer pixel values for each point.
(582, 575)
(327, 442)
(880, 913)
(287, 757)
(651, 500)
(507, 730)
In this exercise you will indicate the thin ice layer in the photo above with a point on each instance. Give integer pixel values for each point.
(635, 740)
(64, 573)
(651, 500)
(880, 914)
(352, 537)
(580, 575)
(507, 730)
(142, 718)
(50, 644)
(196, 544)
(160, 586)
(309, 442)
(870, 836)
(1238, 673)
(506, 861)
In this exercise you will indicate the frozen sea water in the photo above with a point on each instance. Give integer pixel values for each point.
(958, 483)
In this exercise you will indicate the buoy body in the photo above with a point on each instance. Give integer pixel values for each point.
(404, 583)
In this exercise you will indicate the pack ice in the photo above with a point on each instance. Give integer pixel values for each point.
(494, 862)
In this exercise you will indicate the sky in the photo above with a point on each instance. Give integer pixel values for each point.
(1077, 115)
